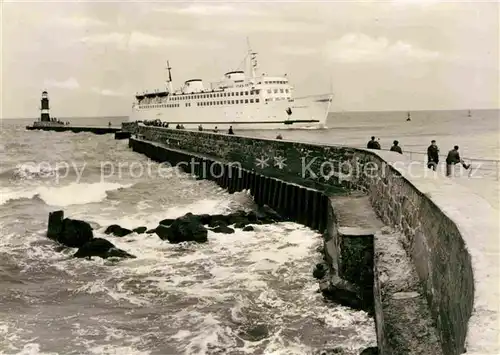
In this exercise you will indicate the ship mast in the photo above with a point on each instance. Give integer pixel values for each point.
(253, 60)
(169, 81)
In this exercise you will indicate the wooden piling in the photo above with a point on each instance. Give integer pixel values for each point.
(314, 208)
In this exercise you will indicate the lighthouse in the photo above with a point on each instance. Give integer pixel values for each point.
(44, 108)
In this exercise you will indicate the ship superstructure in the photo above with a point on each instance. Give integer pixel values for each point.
(241, 100)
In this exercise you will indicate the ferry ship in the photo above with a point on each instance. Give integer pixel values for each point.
(242, 100)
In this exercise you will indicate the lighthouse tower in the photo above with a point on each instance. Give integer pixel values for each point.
(44, 108)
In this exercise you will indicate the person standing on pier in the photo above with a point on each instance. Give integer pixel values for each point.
(373, 144)
(432, 155)
(454, 158)
(396, 148)
(230, 131)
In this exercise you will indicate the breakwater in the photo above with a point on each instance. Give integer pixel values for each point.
(312, 207)
(425, 287)
(74, 129)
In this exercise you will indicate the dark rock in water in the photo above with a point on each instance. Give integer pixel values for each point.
(140, 230)
(102, 248)
(163, 231)
(117, 230)
(373, 350)
(266, 213)
(238, 221)
(188, 228)
(343, 292)
(204, 218)
(191, 227)
(184, 229)
(118, 253)
(333, 351)
(218, 220)
(60, 248)
(320, 271)
(98, 245)
(110, 229)
(251, 216)
(238, 217)
(69, 232)
(75, 233)
(167, 221)
(255, 333)
(151, 231)
(55, 225)
(223, 229)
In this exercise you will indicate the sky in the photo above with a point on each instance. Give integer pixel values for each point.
(94, 56)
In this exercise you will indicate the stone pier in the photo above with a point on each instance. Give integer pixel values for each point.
(429, 245)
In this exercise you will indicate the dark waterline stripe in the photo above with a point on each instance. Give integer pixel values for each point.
(241, 122)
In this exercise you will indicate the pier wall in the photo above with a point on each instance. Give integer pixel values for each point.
(131, 127)
(307, 206)
(437, 250)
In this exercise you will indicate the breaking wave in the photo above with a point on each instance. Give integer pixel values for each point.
(61, 196)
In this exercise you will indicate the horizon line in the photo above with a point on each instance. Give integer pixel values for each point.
(336, 111)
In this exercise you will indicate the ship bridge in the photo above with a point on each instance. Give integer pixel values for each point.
(275, 88)
(234, 79)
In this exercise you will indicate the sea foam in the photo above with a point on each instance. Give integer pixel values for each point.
(61, 196)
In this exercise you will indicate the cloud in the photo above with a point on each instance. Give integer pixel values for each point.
(297, 50)
(359, 47)
(132, 40)
(421, 2)
(79, 22)
(107, 92)
(265, 25)
(70, 84)
(210, 10)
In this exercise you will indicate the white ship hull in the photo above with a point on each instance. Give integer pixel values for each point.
(308, 112)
